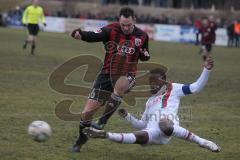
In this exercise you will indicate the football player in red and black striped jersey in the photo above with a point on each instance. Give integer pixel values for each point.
(208, 35)
(125, 45)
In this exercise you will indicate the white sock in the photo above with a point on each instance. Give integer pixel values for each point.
(128, 138)
(183, 133)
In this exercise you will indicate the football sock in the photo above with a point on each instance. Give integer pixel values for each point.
(111, 107)
(183, 133)
(128, 138)
(82, 137)
(33, 48)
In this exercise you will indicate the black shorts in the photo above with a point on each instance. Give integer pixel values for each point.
(104, 85)
(33, 29)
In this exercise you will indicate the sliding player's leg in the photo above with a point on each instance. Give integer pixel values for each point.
(170, 129)
(139, 137)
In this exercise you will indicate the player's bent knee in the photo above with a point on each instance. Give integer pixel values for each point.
(141, 137)
(166, 126)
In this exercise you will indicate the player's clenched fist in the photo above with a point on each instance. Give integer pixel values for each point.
(76, 33)
(208, 63)
(122, 112)
(145, 52)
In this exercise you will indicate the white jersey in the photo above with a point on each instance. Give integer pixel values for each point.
(164, 105)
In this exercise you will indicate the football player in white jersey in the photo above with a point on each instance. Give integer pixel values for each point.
(159, 121)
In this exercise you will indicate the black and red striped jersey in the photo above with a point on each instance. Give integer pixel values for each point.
(122, 51)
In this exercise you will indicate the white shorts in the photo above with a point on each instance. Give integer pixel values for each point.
(156, 136)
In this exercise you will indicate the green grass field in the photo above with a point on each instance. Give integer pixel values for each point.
(26, 96)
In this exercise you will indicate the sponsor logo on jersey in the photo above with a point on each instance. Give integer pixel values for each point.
(138, 41)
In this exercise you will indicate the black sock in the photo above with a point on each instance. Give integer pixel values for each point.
(82, 137)
(111, 107)
(33, 48)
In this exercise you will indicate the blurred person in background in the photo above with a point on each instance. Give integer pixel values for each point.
(208, 36)
(230, 33)
(213, 26)
(237, 33)
(31, 16)
(198, 26)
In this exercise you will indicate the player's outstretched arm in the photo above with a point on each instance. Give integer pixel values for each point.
(89, 36)
(136, 123)
(202, 80)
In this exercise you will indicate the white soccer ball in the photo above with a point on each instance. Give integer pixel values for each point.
(39, 130)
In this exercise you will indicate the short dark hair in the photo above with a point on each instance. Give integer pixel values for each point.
(126, 12)
(160, 71)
